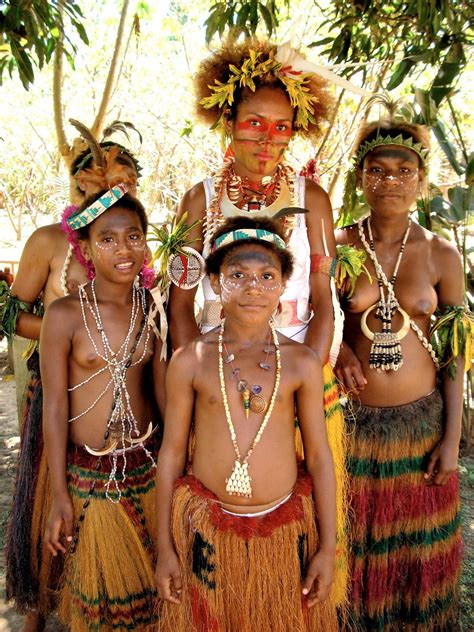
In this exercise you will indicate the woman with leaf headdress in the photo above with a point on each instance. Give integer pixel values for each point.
(403, 448)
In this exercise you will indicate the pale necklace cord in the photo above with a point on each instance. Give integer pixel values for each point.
(239, 482)
(382, 277)
(122, 422)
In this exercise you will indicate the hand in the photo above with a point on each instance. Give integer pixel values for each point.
(443, 462)
(168, 577)
(60, 521)
(348, 370)
(319, 578)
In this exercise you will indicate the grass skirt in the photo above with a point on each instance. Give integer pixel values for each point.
(335, 428)
(406, 536)
(108, 582)
(31, 572)
(244, 573)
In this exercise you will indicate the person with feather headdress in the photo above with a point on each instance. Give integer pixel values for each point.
(51, 266)
(259, 96)
(404, 435)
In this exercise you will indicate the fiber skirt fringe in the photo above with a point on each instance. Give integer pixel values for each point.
(244, 574)
(108, 582)
(30, 570)
(406, 537)
(336, 431)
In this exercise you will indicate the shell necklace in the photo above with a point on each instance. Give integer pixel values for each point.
(385, 351)
(239, 482)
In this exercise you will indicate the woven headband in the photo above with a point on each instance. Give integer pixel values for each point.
(249, 233)
(89, 214)
(399, 140)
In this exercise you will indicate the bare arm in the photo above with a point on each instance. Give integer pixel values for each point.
(159, 378)
(444, 457)
(171, 464)
(321, 328)
(319, 463)
(55, 348)
(183, 326)
(31, 278)
(348, 369)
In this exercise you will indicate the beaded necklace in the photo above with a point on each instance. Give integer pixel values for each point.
(385, 351)
(122, 427)
(239, 482)
(228, 182)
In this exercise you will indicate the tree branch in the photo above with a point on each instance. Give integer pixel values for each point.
(109, 84)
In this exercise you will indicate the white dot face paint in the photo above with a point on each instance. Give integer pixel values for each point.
(134, 241)
(239, 281)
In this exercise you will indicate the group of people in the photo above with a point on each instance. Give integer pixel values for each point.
(210, 480)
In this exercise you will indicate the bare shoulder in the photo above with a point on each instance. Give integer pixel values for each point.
(44, 239)
(347, 235)
(316, 198)
(194, 202)
(184, 359)
(63, 314)
(299, 356)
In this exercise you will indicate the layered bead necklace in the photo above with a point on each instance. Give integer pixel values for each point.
(122, 427)
(239, 482)
(245, 197)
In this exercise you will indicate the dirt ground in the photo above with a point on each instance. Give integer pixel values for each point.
(9, 441)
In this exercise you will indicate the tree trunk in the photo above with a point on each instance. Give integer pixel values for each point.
(111, 79)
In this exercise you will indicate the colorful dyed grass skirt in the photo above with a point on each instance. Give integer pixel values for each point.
(108, 582)
(31, 572)
(406, 536)
(244, 574)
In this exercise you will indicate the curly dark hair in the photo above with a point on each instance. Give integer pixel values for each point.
(216, 67)
(128, 202)
(387, 127)
(215, 260)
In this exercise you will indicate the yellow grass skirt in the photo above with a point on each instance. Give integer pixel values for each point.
(244, 574)
(337, 438)
(108, 581)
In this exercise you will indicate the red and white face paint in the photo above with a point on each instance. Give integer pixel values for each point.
(261, 132)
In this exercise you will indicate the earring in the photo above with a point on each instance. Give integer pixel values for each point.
(222, 314)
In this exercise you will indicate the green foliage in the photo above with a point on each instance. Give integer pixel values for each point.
(429, 32)
(30, 32)
(242, 17)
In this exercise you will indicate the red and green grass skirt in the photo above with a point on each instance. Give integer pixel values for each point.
(108, 581)
(406, 535)
(242, 573)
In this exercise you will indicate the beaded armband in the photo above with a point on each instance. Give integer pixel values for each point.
(451, 336)
(323, 264)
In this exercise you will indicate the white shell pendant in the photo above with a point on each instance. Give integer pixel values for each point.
(239, 483)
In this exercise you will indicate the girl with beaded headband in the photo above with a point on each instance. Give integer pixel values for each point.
(51, 266)
(258, 96)
(403, 448)
(239, 546)
(100, 364)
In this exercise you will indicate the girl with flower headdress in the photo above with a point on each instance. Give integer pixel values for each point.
(103, 378)
(259, 96)
(403, 449)
(51, 266)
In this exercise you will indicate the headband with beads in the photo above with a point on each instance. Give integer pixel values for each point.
(248, 233)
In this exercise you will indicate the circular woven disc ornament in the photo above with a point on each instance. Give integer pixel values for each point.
(186, 269)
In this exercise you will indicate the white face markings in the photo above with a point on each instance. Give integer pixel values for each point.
(236, 281)
(108, 243)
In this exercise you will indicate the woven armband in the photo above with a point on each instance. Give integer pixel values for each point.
(451, 336)
(10, 307)
(323, 264)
